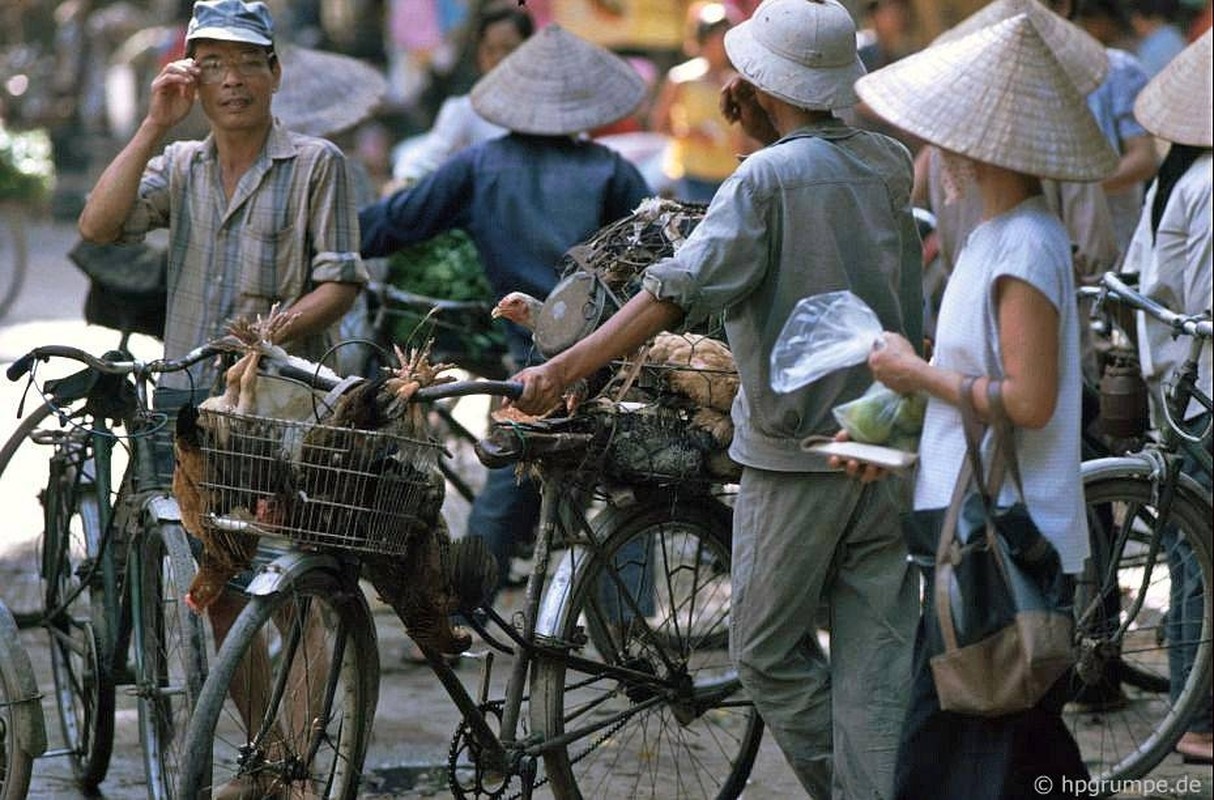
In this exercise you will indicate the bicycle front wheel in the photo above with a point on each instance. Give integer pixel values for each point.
(286, 709)
(21, 459)
(20, 731)
(170, 652)
(80, 606)
(657, 709)
(1144, 610)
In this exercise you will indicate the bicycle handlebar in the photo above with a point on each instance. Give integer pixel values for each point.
(511, 389)
(1190, 324)
(22, 365)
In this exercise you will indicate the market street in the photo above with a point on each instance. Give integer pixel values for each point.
(415, 720)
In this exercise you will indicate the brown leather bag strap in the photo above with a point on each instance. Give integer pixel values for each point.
(1004, 456)
(947, 546)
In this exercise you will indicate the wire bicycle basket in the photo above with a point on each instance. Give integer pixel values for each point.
(316, 484)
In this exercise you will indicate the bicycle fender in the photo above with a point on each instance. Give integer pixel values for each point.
(1136, 466)
(23, 687)
(164, 508)
(557, 592)
(280, 573)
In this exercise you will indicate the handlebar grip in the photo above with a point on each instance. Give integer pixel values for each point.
(45, 352)
(511, 389)
(18, 368)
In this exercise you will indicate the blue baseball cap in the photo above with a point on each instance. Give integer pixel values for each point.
(231, 21)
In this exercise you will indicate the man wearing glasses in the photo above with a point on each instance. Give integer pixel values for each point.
(256, 214)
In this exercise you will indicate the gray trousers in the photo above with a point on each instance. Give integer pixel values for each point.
(803, 543)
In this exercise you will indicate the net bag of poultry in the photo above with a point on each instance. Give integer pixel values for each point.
(660, 418)
(665, 415)
(351, 470)
(670, 408)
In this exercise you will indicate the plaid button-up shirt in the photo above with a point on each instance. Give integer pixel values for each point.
(291, 224)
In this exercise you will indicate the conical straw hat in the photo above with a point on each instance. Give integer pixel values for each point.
(557, 83)
(1082, 57)
(998, 96)
(324, 93)
(1176, 105)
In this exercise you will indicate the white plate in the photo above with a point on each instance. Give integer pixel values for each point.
(885, 457)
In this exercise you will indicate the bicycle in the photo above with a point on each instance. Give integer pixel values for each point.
(22, 728)
(620, 683)
(1147, 519)
(114, 563)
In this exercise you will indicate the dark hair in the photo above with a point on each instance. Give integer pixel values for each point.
(1178, 160)
(522, 21)
(1112, 9)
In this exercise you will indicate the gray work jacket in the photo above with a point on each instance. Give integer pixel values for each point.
(826, 207)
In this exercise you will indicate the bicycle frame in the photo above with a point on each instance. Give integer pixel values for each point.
(1159, 463)
(547, 592)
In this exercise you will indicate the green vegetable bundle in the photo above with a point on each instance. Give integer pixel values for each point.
(446, 267)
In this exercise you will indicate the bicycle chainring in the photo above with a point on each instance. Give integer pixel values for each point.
(467, 777)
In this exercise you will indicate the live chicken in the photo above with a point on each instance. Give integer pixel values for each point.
(702, 370)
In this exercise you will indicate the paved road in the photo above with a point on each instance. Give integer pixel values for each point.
(414, 722)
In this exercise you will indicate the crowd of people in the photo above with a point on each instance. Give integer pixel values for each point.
(1032, 130)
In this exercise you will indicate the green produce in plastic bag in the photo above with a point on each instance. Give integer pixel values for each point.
(883, 416)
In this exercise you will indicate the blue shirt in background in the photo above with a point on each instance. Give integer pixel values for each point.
(523, 199)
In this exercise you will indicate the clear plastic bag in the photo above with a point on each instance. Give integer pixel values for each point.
(823, 333)
(883, 416)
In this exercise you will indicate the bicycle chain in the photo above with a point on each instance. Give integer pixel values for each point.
(495, 707)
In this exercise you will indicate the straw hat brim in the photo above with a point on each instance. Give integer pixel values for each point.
(998, 96)
(323, 93)
(556, 84)
(1177, 104)
(1082, 57)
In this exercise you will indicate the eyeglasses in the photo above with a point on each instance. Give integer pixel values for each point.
(247, 65)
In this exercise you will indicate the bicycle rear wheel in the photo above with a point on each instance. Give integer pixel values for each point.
(655, 602)
(80, 603)
(170, 652)
(1128, 712)
(286, 709)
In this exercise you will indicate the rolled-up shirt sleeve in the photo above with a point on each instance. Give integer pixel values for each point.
(334, 225)
(723, 259)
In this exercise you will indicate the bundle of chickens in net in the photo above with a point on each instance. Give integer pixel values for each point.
(271, 456)
(669, 406)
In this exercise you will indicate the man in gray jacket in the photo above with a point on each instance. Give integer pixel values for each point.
(822, 207)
